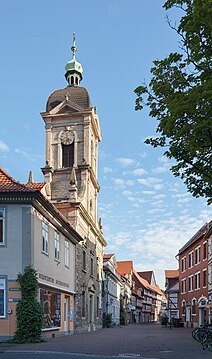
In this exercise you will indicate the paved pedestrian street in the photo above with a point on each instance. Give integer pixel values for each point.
(133, 341)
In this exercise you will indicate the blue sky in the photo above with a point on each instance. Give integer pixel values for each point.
(147, 214)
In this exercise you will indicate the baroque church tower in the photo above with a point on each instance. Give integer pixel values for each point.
(72, 137)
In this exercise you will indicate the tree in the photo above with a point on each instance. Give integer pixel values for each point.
(179, 96)
(28, 311)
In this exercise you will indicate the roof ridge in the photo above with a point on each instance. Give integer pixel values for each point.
(14, 182)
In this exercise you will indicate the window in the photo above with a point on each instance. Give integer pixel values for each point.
(84, 260)
(92, 266)
(204, 250)
(56, 245)
(68, 155)
(183, 261)
(51, 302)
(193, 306)
(66, 253)
(97, 306)
(197, 280)
(190, 283)
(197, 255)
(191, 259)
(2, 298)
(2, 226)
(183, 307)
(204, 274)
(45, 236)
(184, 285)
(83, 304)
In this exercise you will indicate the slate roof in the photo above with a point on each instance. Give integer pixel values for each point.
(8, 184)
(76, 94)
(146, 275)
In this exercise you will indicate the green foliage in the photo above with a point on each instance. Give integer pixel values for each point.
(28, 311)
(179, 96)
(108, 320)
(163, 319)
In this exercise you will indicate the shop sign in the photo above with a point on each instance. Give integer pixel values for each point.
(14, 300)
(14, 289)
(202, 303)
(52, 280)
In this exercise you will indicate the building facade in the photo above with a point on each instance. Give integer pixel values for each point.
(172, 294)
(71, 172)
(193, 279)
(111, 290)
(33, 232)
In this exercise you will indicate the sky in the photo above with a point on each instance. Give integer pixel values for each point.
(147, 213)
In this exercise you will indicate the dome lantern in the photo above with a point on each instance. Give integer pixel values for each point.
(73, 68)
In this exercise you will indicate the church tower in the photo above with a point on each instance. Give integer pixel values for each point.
(71, 171)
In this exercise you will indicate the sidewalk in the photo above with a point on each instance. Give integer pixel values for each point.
(142, 340)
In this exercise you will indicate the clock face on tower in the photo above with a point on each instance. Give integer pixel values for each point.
(67, 137)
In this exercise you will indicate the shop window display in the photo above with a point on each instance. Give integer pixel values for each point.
(51, 302)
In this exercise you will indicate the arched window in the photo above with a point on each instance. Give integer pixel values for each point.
(67, 155)
(194, 306)
(183, 307)
(76, 81)
(72, 80)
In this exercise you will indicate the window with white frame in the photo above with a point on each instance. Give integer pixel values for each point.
(197, 255)
(191, 259)
(197, 280)
(56, 246)
(45, 237)
(2, 297)
(184, 285)
(67, 253)
(190, 283)
(204, 278)
(183, 262)
(2, 226)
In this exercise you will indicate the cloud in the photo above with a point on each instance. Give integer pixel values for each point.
(107, 170)
(139, 172)
(3, 147)
(151, 182)
(126, 162)
(127, 193)
(119, 182)
(148, 192)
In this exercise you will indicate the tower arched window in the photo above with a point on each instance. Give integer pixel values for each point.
(72, 80)
(68, 155)
(76, 81)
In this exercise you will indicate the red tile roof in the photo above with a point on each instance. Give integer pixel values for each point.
(146, 275)
(107, 256)
(172, 273)
(141, 280)
(8, 184)
(38, 186)
(125, 267)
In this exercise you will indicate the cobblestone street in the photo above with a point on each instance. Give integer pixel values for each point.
(145, 341)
